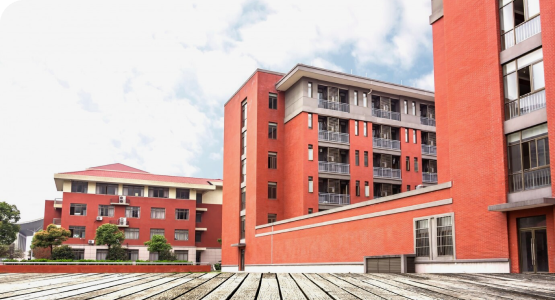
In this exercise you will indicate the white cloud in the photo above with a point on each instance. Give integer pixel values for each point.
(86, 83)
(426, 82)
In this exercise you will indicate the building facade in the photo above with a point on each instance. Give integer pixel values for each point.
(493, 209)
(187, 211)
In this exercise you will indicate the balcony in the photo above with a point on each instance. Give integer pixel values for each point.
(332, 167)
(525, 105)
(57, 222)
(522, 32)
(429, 150)
(335, 199)
(387, 173)
(121, 200)
(331, 136)
(427, 121)
(121, 222)
(380, 113)
(58, 203)
(344, 107)
(429, 177)
(532, 180)
(386, 144)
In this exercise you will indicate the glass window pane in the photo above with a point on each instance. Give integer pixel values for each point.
(526, 156)
(543, 154)
(533, 155)
(504, 2)
(538, 75)
(506, 18)
(528, 59)
(534, 131)
(510, 87)
(533, 7)
(513, 138)
(509, 67)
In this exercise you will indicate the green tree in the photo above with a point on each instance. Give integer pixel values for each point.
(63, 252)
(9, 215)
(159, 244)
(110, 235)
(116, 253)
(52, 236)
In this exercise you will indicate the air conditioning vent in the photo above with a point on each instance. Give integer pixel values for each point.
(99, 218)
(122, 199)
(123, 221)
(91, 242)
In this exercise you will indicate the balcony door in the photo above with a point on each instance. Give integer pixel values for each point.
(533, 245)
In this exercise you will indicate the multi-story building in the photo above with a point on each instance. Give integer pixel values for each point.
(187, 211)
(493, 209)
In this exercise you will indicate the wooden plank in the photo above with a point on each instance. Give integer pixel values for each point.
(248, 288)
(153, 292)
(373, 280)
(32, 283)
(329, 288)
(445, 295)
(370, 288)
(227, 288)
(140, 280)
(269, 289)
(154, 282)
(184, 288)
(288, 287)
(310, 290)
(351, 288)
(528, 286)
(25, 276)
(204, 289)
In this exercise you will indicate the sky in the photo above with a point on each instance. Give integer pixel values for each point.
(143, 83)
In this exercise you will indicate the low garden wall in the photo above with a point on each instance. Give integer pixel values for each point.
(82, 267)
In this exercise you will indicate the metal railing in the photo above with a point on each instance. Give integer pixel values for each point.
(57, 221)
(332, 167)
(331, 136)
(429, 150)
(333, 105)
(120, 222)
(429, 177)
(525, 105)
(387, 173)
(380, 113)
(427, 121)
(528, 29)
(337, 199)
(386, 144)
(531, 180)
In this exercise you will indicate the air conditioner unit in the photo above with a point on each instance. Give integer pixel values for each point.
(99, 218)
(123, 221)
(122, 199)
(91, 242)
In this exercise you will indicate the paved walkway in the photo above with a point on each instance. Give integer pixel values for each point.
(276, 286)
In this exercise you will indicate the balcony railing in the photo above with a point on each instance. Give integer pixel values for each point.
(531, 180)
(58, 203)
(525, 105)
(331, 136)
(429, 177)
(333, 105)
(427, 121)
(120, 222)
(57, 221)
(122, 200)
(522, 32)
(387, 173)
(429, 150)
(337, 199)
(386, 144)
(380, 113)
(331, 167)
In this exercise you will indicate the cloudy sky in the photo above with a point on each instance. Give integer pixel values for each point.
(143, 83)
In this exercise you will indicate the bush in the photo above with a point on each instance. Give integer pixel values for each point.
(116, 252)
(218, 267)
(41, 253)
(62, 252)
(166, 255)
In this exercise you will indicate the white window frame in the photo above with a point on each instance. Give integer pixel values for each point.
(406, 135)
(355, 97)
(364, 99)
(309, 121)
(310, 184)
(310, 89)
(414, 136)
(356, 128)
(433, 238)
(310, 152)
(365, 129)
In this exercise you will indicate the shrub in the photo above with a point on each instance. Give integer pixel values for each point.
(116, 252)
(166, 255)
(62, 252)
(39, 253)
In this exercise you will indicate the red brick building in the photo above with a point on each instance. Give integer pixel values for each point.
(187, 211)
(492, 210)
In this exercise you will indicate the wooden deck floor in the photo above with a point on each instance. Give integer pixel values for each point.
(276, 286)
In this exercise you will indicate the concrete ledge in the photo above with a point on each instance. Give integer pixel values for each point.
(523, 205)
(529, 195)
(521, 48)
(307, 268)
(460, 261)
(464, 267)
(528, 120)
(437, 11)
(102, 268)
(333, 145)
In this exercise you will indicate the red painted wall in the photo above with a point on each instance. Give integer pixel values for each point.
(361, 173)
(50, 212)
(211, 219)
(102, 268)
(411, 150)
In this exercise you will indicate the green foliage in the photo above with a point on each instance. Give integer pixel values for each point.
(62, 252)
(218, 267)
(41, 253)
(166, 255)
(116, 253)
(9, 215)
(220, 241)
(10, 252)
(158, 244)
(110, 235)
(52, 236)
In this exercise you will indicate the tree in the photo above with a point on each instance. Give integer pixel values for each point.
(110, 235)
(159, 244)
(9, 215)
(41, 253)
(10, 252)
(52, 236)
(63, 252)
(116, 253)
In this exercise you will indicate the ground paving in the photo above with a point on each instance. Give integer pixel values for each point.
(271, 286)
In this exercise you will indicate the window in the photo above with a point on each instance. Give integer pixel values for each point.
(413, 108)
(272, 131)
(106, 210)
(272, 160)
(199, 197)
(243, 170)
(434, 237)
(244, 114)
(106, 189)
(366, 158)
(414, 136)
(154, 232)
(181, 214)
(310, 184)
(158, 192)
(364, 100)
(133, 212)
(101, 254)
(310, 211)
(198, 236)
(310, 153)
(366, 189)
(310, 90)
(406, 135)
(131, 190)
(181, 254)
(356, 127)
(408, 188)
(272, 190)
(198, 217)
(182, 193)
(273, 101)
(77, 231)
(79, 187)
(416, 164)
(181, 235)
(157, 213)
(131, 233)
(309, 121)
(408, 163)
(243, 198)
(357, 188)
(272, 218)
(78, 209)
(355, 96)
(132, 255)
(356, 158)
(364, 129)
(78, 254)
(244, 142)
(514, 13)
(242, 227)
(406, 107)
